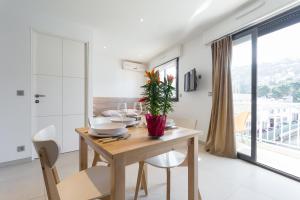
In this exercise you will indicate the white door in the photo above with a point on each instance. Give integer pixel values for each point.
(73, 92)
(58, 87)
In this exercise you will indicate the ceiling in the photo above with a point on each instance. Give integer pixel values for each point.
(119, 27)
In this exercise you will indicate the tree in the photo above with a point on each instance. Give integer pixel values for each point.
(263, 91)
(276, 94)
(296, 96)
(281, 91)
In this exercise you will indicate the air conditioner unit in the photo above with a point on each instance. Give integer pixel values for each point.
(134, 66)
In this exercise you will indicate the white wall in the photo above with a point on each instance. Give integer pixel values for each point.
(196, 53)
(109, 79)
(15, 73)
(16, 20)
(197, 104)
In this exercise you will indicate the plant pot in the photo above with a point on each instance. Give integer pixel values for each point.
(156, 125)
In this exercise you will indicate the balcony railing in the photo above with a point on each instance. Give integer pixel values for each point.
(278, 123)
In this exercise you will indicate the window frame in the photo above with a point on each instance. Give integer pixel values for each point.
(176, 98)
(273, 24)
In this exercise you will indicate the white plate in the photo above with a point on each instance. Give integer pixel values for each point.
(120, 120)
(108, 128)
(100, 120)
(131, 115)
(122, 132)
(133, 123)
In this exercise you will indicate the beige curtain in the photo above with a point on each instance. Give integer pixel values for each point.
(220, 140)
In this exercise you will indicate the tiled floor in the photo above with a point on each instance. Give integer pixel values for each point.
(219, 179)
(275, 156)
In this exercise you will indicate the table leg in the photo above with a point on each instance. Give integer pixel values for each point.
(118, 178)
(193, 169)
(83, 154)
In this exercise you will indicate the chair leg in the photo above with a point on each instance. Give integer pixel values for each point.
(144, 180)
(55, 174)
(138, 181)
(168, 183)
(96, 159)
(199, 196)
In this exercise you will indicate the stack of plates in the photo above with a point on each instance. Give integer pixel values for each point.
(108, 130)
(126, 120)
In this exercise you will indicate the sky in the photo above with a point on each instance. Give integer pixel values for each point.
(273, 47)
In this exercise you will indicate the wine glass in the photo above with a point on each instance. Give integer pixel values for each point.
(138, 109)
(122, 110)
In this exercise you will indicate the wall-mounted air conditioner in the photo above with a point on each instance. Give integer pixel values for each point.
(134, 66)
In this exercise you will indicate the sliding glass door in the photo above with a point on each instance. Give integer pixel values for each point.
(241, 71)
(266, 93)
(278, 99)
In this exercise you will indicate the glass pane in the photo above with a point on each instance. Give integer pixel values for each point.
(172, 71)
(278, 100)
(241, 86)
(169, 68)
(162, 74)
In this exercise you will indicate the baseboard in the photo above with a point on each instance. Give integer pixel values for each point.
(201, 142)
(15, 162)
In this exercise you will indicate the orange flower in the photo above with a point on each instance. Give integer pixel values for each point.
(147, 74)
(170, 78)
(152, 72)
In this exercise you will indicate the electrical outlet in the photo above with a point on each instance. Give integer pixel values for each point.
(20, 92)
(20, 148)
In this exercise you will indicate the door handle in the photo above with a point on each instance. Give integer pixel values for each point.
(39, 95)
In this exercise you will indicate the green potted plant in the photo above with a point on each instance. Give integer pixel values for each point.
(157, 97)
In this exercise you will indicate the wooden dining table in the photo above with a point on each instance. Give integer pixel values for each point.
(137, 148)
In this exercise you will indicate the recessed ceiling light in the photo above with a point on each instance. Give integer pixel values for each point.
(141, 20)
(104, 47)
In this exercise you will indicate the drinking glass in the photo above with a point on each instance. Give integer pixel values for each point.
(122, 109)
(138, 110)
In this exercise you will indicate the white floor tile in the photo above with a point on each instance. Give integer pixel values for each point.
(219, 179)
(247, 194)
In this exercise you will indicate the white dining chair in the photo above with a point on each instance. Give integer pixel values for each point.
(92, 183)
(168, 160)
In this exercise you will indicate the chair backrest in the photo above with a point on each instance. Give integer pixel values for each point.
(48, 150)
(185, 122)
(46, 139)
(240, 122)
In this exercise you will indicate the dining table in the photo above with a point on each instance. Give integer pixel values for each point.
(138, 147)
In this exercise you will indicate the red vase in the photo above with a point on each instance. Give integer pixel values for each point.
(156, 125)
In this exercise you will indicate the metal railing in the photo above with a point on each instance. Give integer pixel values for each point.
(278, 123)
